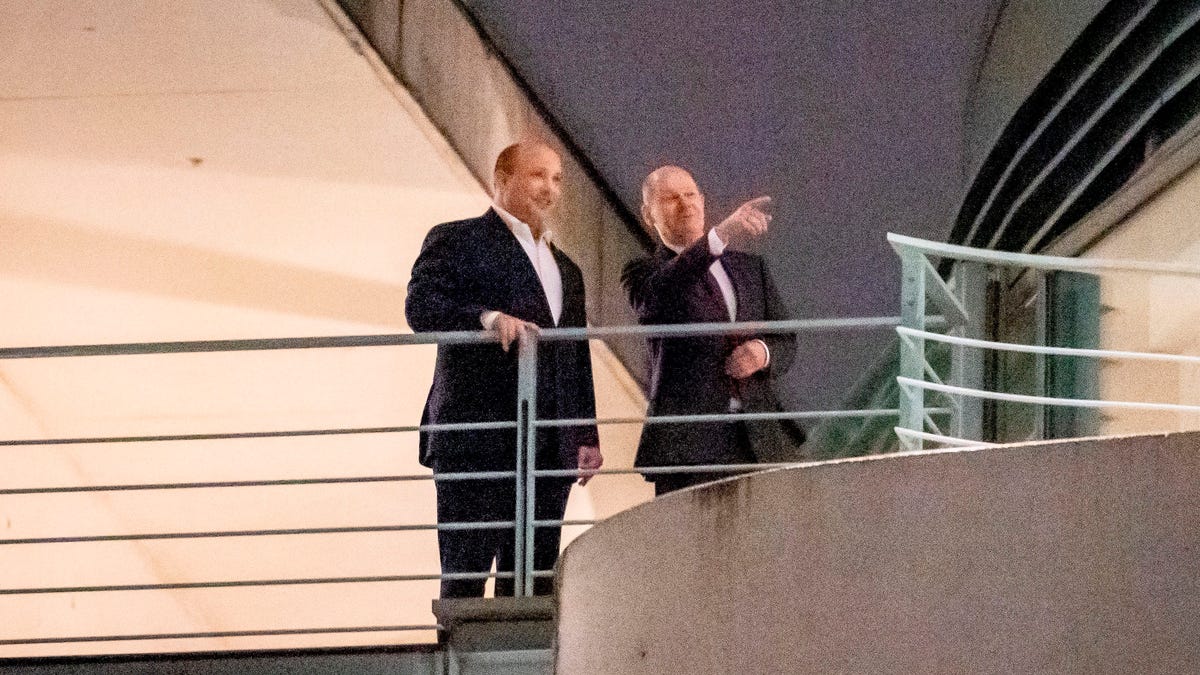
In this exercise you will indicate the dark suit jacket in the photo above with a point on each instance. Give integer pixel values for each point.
(687, 374)
(465, 268)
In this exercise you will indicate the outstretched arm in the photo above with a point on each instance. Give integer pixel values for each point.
(653, 288)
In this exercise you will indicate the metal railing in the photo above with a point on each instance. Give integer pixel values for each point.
(961, 297)
(526, 427)
(956, 325)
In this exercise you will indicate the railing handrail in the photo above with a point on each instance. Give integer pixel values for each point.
(1044, 400)
(1036, 261)
(463, 426)
(523, 523)
(218, 634)
(1044, 350)
(447, 337)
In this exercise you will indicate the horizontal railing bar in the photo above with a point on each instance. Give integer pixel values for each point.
(1052, 351)
(719, 328)
(454, 576)
(134, 487)
(453, 426)
(448, 426)
(438, 477)
(1034, 261)
(449, 337)
(939, 438)
(87, 539)
(565, 523)
(1047, 400)
(687, 468)
(448, 476)
(459, 476)
(263, 344)
(217, 634)
(721, 417)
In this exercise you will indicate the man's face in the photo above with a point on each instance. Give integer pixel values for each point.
(676, 208)
(533, 187)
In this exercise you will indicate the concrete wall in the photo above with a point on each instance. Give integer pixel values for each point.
(1053, 557)
(1153, 312)
(1028, 38)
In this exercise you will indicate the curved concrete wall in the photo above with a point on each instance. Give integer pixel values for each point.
(1028, 38)
(1051, 557)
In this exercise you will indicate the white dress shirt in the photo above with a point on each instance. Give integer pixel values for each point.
(542, 259)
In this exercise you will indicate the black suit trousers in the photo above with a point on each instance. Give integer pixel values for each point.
(491, 500)
(669, 482)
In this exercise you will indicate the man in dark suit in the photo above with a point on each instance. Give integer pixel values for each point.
(501, 272)
(697, 277)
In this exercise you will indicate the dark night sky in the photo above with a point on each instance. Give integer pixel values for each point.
(849, 114)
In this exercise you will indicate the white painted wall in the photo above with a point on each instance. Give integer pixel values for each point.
(1153, 313)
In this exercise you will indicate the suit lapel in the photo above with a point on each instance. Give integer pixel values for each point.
(663, 254)
(714, 301)
(570, 289)
(522, 281)
(735, 267)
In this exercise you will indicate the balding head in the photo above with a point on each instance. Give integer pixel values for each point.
(507, 160)
(673, 205)
(528, 181)
(656, 176)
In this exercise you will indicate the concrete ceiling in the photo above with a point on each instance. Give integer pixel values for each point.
(849, 114)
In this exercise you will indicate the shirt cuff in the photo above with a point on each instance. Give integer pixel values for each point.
(488, 318)
(715, 245)
(765, 349)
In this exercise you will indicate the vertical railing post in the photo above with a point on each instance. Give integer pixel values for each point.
(912, 348)
(527, 348)
(1041, 338)
(967, 363)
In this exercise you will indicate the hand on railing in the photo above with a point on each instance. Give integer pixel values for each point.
(509, 328)
(590, 461)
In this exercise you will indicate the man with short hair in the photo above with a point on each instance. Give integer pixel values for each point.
(502, 272)
(697, 276)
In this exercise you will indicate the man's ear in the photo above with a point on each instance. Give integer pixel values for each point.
(646, 216)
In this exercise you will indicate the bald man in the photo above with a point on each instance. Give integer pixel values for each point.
(502, 272)
(697, 276)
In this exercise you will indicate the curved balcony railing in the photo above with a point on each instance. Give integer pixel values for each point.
(940, 404)
(962, 298)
